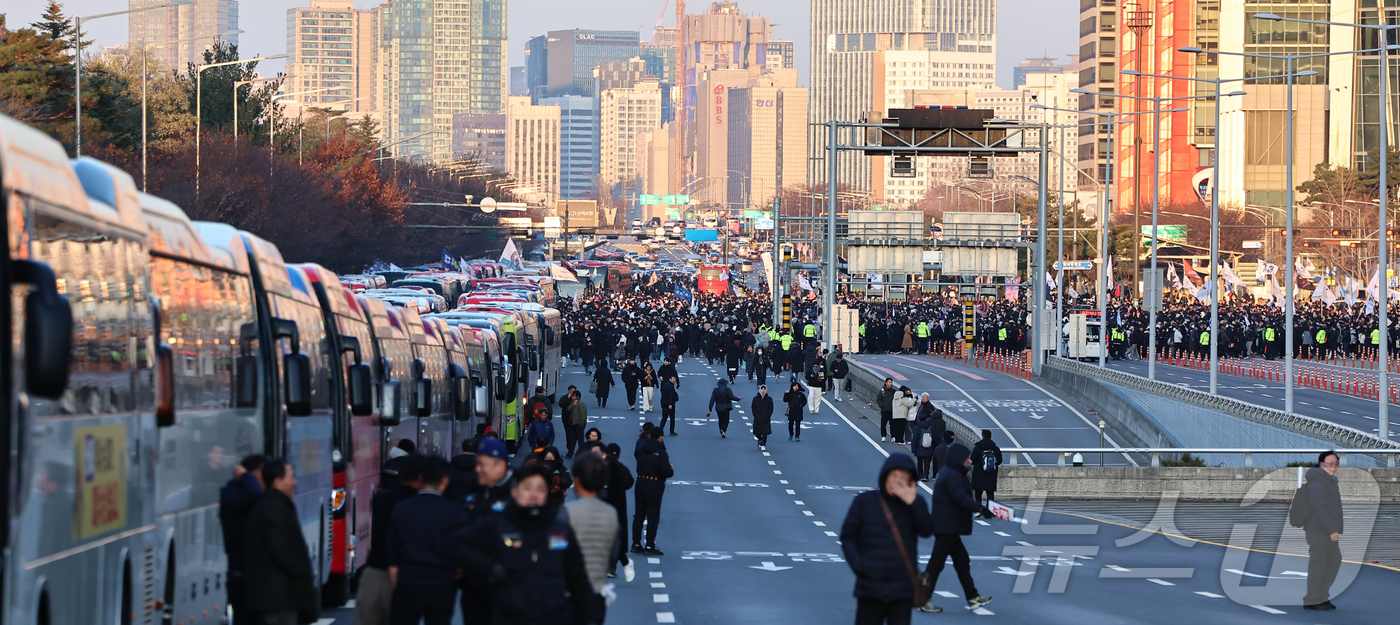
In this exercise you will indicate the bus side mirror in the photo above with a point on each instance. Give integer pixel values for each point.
(548, 335)
(245, 381)
(361, 389)
(460, 394)
(48, 330)
(481, 399)
(423, 397)
(165, 386)
(534, 359)
(296, 379)
(389, 403)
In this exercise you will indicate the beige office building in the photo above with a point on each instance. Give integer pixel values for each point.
(655, 160)
(201, 20)
(710, 156)
(533, 147)
(626, 116)
(330, 45)
(767, 142)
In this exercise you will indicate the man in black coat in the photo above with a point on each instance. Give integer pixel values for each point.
(669, 399)
(953, 507)
(983, 453)
(1324, 532)
(236, 501)
(762, 409)
(653, 469)
(619, 482)
(839, 369)
(886, 404)
(277, 564)
(420, 544)
(885, 562)
(373, 601)
(631, 379)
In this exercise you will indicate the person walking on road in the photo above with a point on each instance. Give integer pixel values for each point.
(761, 364)
(986, 458)
(669, 398)
(575, 420)
(648, 388)
(236, 501)
(631, 380)
(940, 453)
(879, 540)
(421, 535)
(796, 401)
(732, 357)
(1324, 532)
(922, 445)
(953, 507)
(762, 409)
(653, 469)
(721, 402)
(595, 524)
(277, 564)
(904, 405)
(602, 385)
(816, 381)
(839, 369)
(620, 481)
(886, 404)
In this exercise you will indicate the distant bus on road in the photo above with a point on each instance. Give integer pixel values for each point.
(713, 279)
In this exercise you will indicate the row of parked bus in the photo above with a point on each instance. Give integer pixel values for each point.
(150, 353)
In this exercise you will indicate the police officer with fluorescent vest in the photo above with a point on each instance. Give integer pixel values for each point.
(922, 333)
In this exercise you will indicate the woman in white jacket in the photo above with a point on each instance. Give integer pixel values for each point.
(905, 407)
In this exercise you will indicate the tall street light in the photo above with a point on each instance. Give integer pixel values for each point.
(1383, 320)
(240, 83)
(199, 107)
(1105, 270)
(78, 64)
(1290, 61)
(145, 49)
(1156, 204)
(272, 130)
(1215, 272)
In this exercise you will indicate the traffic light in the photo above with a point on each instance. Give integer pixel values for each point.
(1336, 232)
(1390, 232)
(1307, 243)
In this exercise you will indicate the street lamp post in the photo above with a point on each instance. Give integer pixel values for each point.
(1156, 205)
(145, 78)
(199, 108)
(1290, 61)
(1214, 282)
(236, 85)
(78, 65)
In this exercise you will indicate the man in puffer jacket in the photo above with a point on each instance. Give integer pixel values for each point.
(953, 507)
(884, 562)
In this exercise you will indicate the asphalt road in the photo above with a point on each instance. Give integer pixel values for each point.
(752, 537)
(1341, 409)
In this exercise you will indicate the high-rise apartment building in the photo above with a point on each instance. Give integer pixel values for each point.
(620, 74)
(533, 148)
(660, 53)
(562, 61)
(780, 55)
(331, 45)
(438, 58)
(724, 48)
(201, 20)
(767, 139)
(578, 151)
(1098, 72)
(480, 137)
(626, 116)
(847, 35)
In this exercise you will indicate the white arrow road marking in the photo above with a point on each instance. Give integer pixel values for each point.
(715, 489)
(769, 566)
(1006, 570)
(1035, 416)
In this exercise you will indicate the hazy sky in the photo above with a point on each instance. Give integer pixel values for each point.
(1025, 28)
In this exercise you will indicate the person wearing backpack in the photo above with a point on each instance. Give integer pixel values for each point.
(923, 444)
(986, 457)
(1323, 527)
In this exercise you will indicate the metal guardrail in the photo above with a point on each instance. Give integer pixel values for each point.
(1156, 452)
(1342, 435)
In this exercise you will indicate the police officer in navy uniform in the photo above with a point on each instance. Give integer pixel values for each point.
(530, 559)
(421, 535)
(489, 498)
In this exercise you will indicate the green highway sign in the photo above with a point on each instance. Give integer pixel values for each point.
(675, 200)
(648, 199)
(1164, 233)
